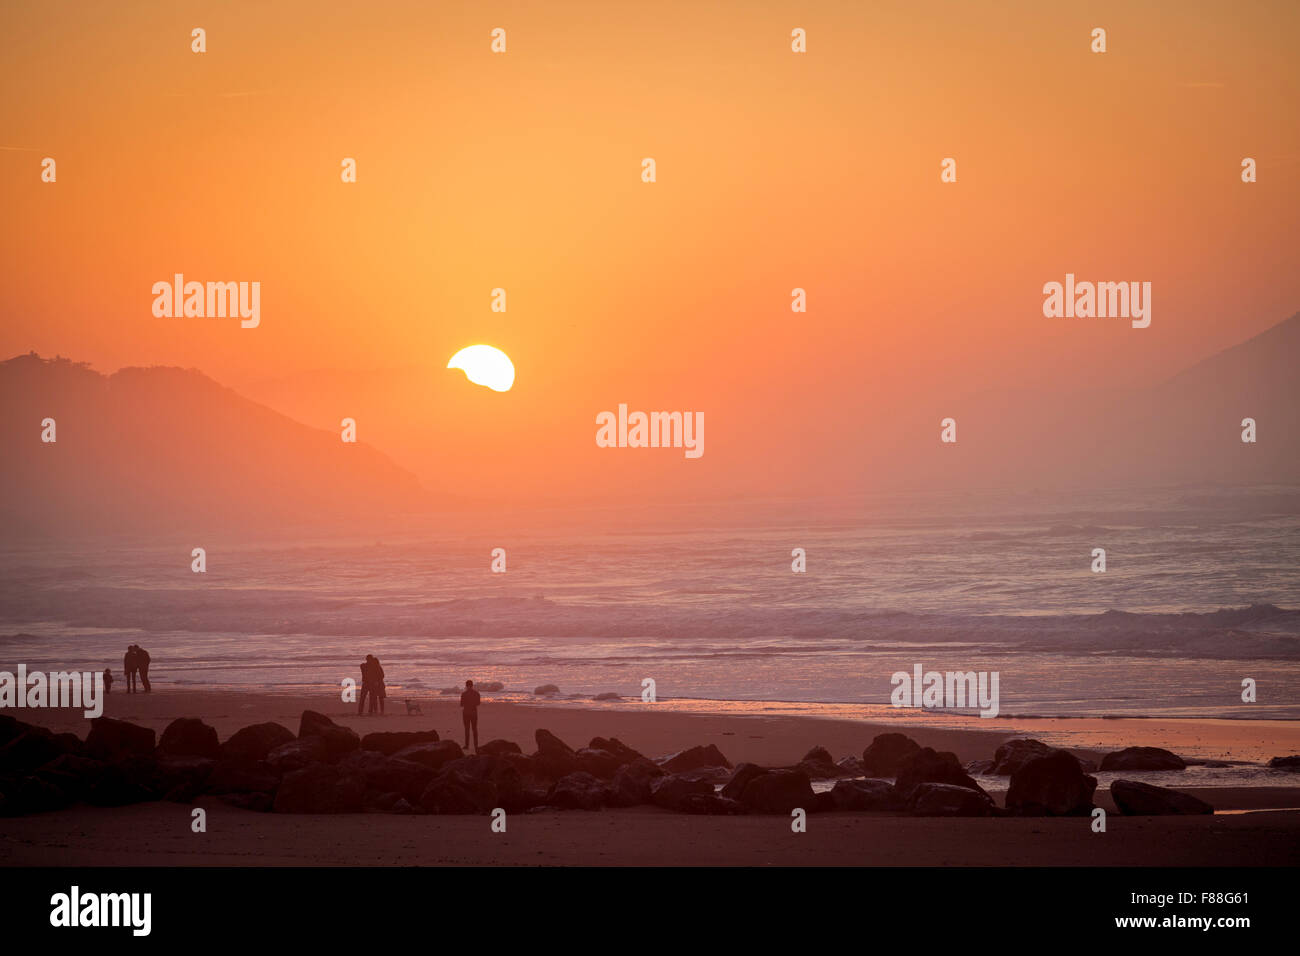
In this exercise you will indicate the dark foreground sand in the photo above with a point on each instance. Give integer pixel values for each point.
(159, 834)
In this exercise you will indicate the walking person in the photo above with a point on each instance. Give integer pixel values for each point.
(469, 701)
(142, 663)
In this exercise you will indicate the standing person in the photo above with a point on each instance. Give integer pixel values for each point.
(469, 711)
(142, 662)
(377, 689)
(108, 681)
(128, 665)
(365, 686)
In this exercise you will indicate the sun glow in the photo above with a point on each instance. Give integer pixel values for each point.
(485, 365)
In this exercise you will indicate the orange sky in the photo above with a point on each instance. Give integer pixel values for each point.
(522, 171)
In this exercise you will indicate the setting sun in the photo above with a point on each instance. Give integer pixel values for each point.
(485, 365)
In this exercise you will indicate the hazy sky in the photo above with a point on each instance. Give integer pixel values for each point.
(775, 170)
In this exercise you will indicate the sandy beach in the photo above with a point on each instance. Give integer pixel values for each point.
(1248, 825)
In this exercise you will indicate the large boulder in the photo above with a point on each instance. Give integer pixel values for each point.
(1134, 799)
(29, 750)
(515, 790)
(339, 740)
(320, 788)
(189, 737)
(670, 790)
(298, 753)
(631, 785)
(946, 800)
(817, 764)
(119, 786)
(254, 742)
(181, 779)
(577, 791)
(706, 755)
(233, 777)
(711, 804)
(777, 791)
(869, 794)
(554, 757)
(1053, 785)
(391, 742)
(1285, 763)
(885, 756)
(598, 763)
(616, 748)
(459, 791)
(740, 777)
(434, 755)
(931, 766)
(111, 739)
(499, 748)
(1014, 754)
(387, 774)
(1142, 758)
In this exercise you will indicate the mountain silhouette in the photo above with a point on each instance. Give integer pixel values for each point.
(146, 449)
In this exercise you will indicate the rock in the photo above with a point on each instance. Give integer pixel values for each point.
(818, 755)
(11, 728)
(1285, 763)
(621, 751)
(930, 766)
(28, 751)
(577, 791)
(512, 789)
(1135, 799)
(387, 774)
(319, 788)
(457, 791)
(865, 795)
(110, 739)
(1014, 754)
(703, 756)
(741, 776)
(117, 786)
(229, 777)
(35, 794)
(497, 748)
(887, 753)
(713, 775)
(1142, 758)
(631, 784)
(711, 804)
(1053, 785)
(391, 742)
(608, 695)
(554, 757)
(298, 753)
(777, 791)
(852, 766)
(338, 739)
(977, 767)
(546, 690)
(181, 779)
(189, 737)
(74, 775)
(433, 755)
(598, 763)
(670, 790)
(946, 800)
(254, 801)
(253, 743)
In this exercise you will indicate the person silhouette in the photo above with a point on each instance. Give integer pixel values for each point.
(469, 711)
(142, 664)
(377, 690)
(365, 686)
(128, 665)
(108, 681)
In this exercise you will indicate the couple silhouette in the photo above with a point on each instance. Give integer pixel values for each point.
(372, 686)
